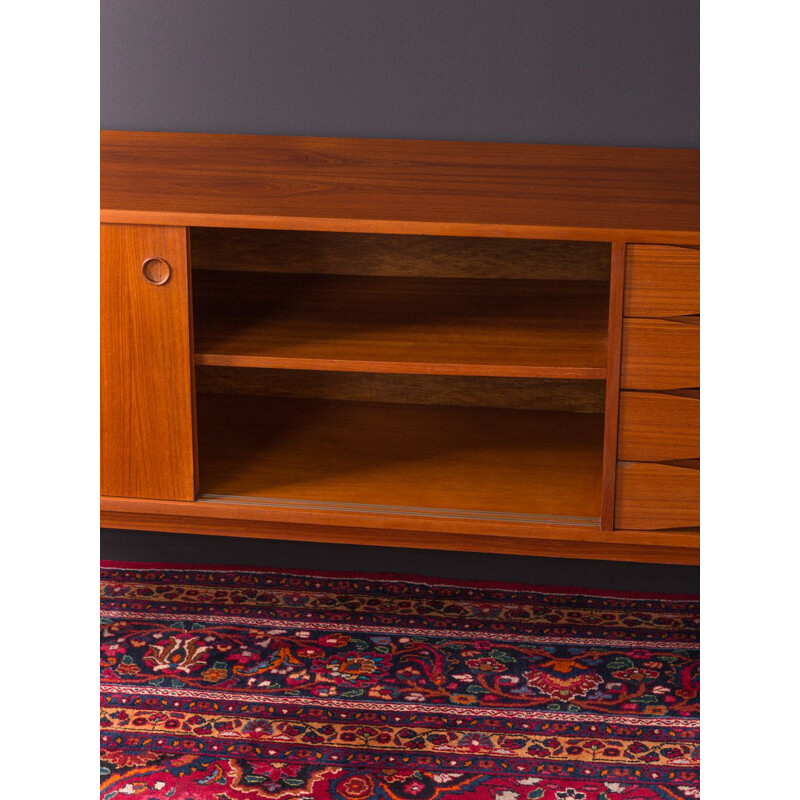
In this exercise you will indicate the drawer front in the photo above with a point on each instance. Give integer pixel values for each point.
(658, 427)
(656, 496)
(661, 281)
(660, 354)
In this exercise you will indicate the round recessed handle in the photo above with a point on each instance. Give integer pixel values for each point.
(156, 271)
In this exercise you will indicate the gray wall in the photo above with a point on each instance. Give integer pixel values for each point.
(606, 72)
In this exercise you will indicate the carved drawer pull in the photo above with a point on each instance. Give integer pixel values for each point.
(156, 271)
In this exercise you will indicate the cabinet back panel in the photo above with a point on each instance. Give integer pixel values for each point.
(445, 390)
(397, 255)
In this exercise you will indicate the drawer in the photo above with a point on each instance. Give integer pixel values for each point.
(660, 354)
(653, 496)
(658, 427)
(661, 281)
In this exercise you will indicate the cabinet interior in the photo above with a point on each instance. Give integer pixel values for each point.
(435, 376)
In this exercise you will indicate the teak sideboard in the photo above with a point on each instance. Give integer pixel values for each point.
(448, 345)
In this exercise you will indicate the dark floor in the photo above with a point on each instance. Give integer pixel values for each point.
(119, 545)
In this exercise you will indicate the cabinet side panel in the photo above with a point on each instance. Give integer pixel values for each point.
(147, 446)
(614, 345)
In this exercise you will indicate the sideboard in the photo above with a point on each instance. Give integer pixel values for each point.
(446, 345)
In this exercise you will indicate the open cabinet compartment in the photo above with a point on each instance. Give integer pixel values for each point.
(388, 455)
(406, 376)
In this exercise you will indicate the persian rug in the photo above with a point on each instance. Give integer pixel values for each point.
(247, 684)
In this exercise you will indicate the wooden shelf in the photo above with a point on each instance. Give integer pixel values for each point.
(529, 467)
(442, 326)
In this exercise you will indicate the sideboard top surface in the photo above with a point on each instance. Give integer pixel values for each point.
(400, 186)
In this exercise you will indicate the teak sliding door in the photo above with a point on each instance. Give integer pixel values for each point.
(147, 438)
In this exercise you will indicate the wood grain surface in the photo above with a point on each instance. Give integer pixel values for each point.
(660, 354)
(663, 547)
(613, 366)
(652, 496)
(147, 443)
(662, 281)
(444, 326)
(655, 426)
(451, 461)
(442, 390)
(398, 186)
(404, 255)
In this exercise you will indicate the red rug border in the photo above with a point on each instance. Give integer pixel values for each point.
(404, 576)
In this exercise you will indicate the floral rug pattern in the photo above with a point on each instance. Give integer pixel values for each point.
(244, 684)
